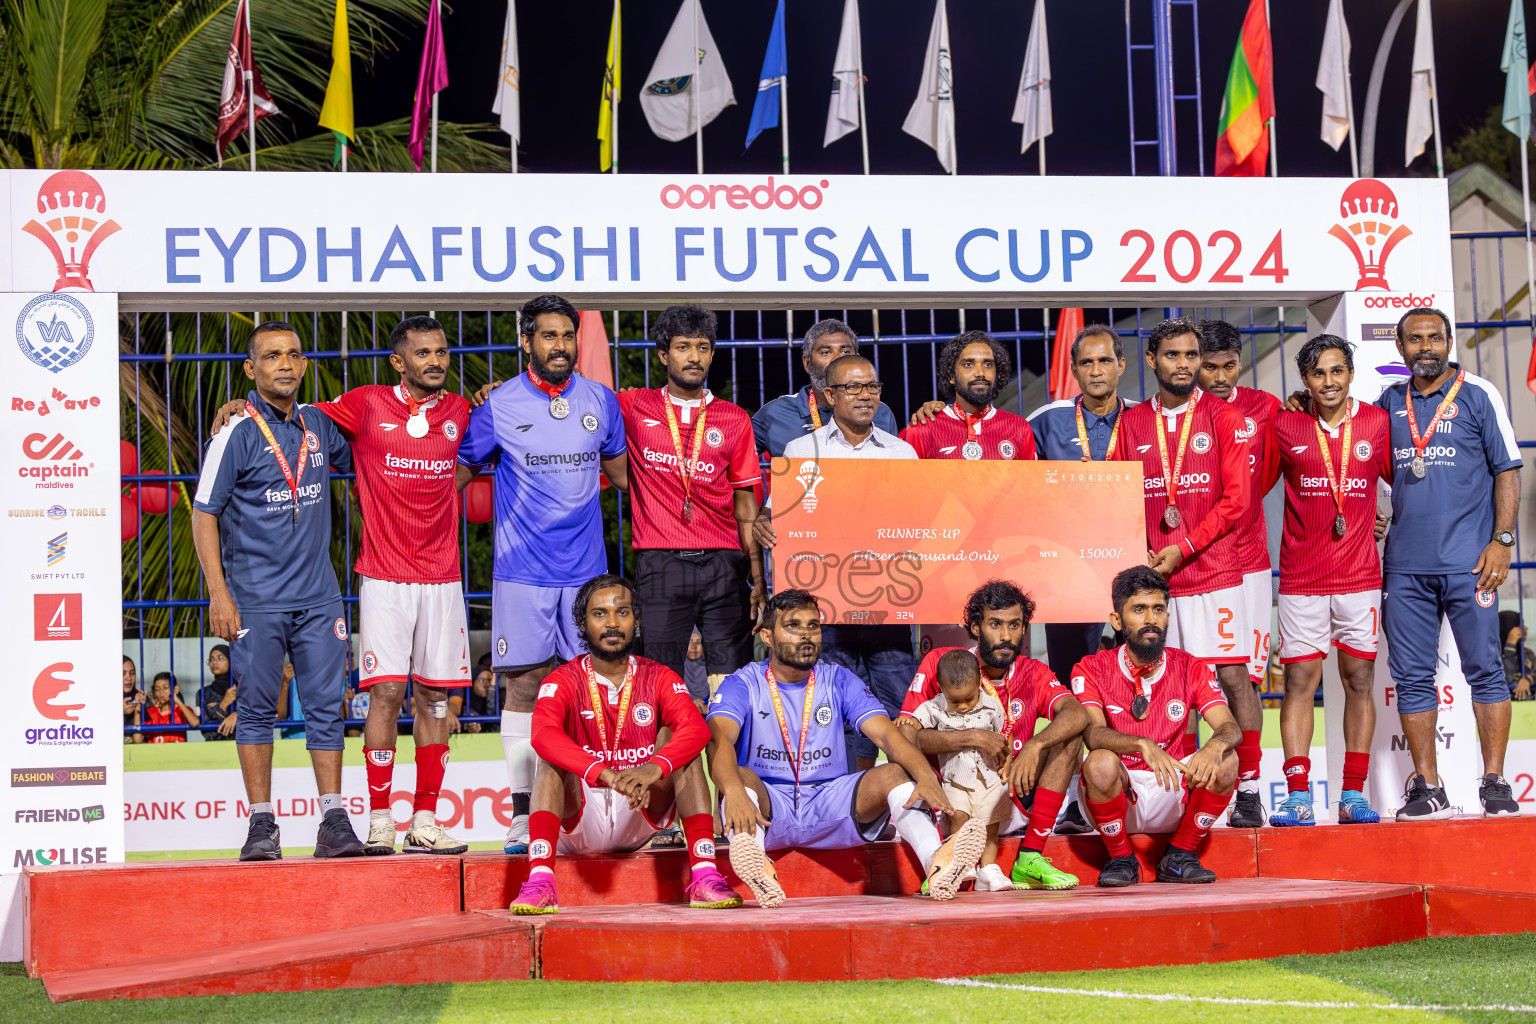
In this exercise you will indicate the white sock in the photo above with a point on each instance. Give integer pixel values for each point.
(421, 818)
(331, 802)
(382, 814)
(516, 733)
(1248, 786)
(262, 808)
(541, 870)
(760, 834)
(913, 824)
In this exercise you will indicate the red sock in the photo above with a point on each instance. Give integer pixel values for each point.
(380, 765)
(1296, 771)
(1355, 768)
(1189, 743)
(1042, 818)
(699, 830)
(1249, 754)
(431, 763)
(543, 831)
(1199, 815)
(1110, 816)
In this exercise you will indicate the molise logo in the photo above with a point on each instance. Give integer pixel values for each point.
(49, 856)
(1370, 229)
(72, 207)
(55, 331)
(766, 196)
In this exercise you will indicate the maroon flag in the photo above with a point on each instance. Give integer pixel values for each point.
(431, 79)
(233, 115)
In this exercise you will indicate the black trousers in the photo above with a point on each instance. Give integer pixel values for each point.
(683, 590)
(1067, 643)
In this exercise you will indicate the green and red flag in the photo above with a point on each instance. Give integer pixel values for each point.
(1242, 144)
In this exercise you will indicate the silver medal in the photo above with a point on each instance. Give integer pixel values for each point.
(416, 426)
(1418, 467)
(971, 450)
(559, 408)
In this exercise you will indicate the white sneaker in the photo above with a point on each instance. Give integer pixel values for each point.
(517, 835)
(381, 837)
(432, 838)
(990, 878)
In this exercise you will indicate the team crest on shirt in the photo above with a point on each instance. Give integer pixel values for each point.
(341, 629)
(539, 849)
(1176, 710)
(1200, 443)
(369, 662)
(714, 437)
(644, 714)
(548, 690)
(1079, 683)
(1250, 428)
(1015, 708)
(1486, 598)
(589, 422)
(824, 715)
(451, 430)
(1362, 450)
(311, 440)
(1451, 409)
(501, 647)
(1006, 449)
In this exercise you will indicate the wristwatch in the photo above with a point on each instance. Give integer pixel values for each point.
(1505, 537)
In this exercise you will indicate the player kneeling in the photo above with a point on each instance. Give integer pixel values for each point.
(618, 740)
(778, 759)
(1138, 699)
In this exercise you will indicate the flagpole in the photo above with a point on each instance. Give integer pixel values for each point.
(250, 90)
(694, 85)
(438, 4)
(1530, 251)
(613, 107)
(1349, 96)
(1434, 96)
(784, 106)
(1274, 151)
(863, 132)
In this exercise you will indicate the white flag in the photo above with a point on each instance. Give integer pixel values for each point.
(932, 117)
(1420, 120)
(680, 73)
(506, 83)
(847, 66)
(1033, 107)
(1332, 70)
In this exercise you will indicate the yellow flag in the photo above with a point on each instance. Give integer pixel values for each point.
(336, 112)
(607, 133)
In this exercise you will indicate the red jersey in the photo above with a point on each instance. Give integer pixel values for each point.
(1258, 409)
(1028, 693)
(406, 485)
(1312, 559)
(999, 435)
(727, 459)
(565, 731)
(154, 716)
(1211, 494)
(1105, 681)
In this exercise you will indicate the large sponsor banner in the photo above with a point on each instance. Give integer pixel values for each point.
(61, 745)
(907, 541)
(210, 240)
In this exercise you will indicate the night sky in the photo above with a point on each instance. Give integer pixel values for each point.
(563, 45)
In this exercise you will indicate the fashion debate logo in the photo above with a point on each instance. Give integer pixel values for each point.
(72, 206)
(50, 683)
(1370, 229)
(29, 778)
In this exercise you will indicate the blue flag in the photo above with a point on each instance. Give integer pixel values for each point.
(1517, 97)
(765, 112)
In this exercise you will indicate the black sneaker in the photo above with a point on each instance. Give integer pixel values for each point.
(1120, 872)
(262, 841)
(1247, 811)
(1496, 796)
(1072, 822)
(336, 838)
(1179, 865)
(1423, 802)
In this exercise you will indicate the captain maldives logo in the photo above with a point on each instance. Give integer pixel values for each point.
(1370, 229)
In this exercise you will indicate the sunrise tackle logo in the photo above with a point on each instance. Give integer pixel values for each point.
(72, 222)
(1370, 229)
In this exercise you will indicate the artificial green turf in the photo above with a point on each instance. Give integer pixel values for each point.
(1453, 972)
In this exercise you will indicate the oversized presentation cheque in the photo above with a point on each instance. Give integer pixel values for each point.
(907, 541)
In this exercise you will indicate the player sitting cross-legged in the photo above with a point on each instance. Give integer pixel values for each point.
(1139, 698)
(618, 740)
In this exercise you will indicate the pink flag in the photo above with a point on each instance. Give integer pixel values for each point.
(431, 79)
(593, 359)
(233, 117)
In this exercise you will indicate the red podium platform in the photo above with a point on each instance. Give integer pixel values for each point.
(366, 921)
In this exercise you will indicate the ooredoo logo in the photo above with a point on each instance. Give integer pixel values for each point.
(72, 208)
(766, 196)
(1405, 302)
(1369, 227)
(55, 460)
(49, 684)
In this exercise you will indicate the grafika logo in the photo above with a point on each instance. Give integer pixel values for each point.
(1370, 228)
(73, 222)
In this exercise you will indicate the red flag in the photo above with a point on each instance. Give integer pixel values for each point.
(593, 360)
(233, 117)
(431, 79)
(1242, 133)
(1062, 384)
(1530, 371)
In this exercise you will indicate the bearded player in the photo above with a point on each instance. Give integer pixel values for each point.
(778, 760)
(973, 368)
(1138, 698)
(405, 443)
(1042, 766)
(618, 740)
(1194, 453)
(1333, 459)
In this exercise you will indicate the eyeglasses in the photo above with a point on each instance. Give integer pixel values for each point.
(855, 390)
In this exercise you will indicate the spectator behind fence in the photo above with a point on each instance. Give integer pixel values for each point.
(695, 672)
(218, 693)
(166, 707)
(133, 700)
(289, 707)
(1519, 662)
(481, 699)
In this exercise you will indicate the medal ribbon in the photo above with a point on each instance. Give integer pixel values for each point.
(1138, 672)
(600, 708)
(805, 718)
(1171, 476)
(972, 423)
(549, 389)
(1336, 485)
(1114, 433)
(413, 407)
(991, 688)
(1420, 443)
(683, 472)
(292, 480)
(815, 412)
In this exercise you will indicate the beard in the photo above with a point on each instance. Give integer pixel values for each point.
(1181, 390)
(550, 375)
(997, 656)
(624, 650)
(980, 392)
(432, 388)
(790, 654)
(818, 376)
(1428, 370)
(676, 377)
(1147, 651)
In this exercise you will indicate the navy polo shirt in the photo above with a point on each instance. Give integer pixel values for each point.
(271, 563)
(789, 416)
(1441, 524)
(1055, 428)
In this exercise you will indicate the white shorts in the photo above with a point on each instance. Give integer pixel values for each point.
(1211, 627)
(1258, 620)
(1310, 623)
(1149, 807)
(413, 631)
(607, 824)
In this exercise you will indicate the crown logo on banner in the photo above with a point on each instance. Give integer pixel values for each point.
(72, 207)
(1370, 229)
